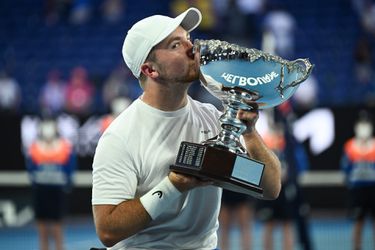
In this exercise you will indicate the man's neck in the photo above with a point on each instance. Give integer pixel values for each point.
(165, 98)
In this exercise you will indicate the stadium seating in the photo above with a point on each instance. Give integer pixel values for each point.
(327, 32)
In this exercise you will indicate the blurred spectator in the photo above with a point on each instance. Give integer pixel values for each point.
(239, 20)
(112, 10)
(298, 162)
(364, 72)
(118, 105)
(366, 11)
(278, 32)
(363, 61)
(358, 163)
(81, 11)
(368, 19)
(306, 96)
(56, 10)
(278, 211)
(360, 5)
(236, 208)
(91, 130)
(50, 162)
(119, 83)
(52, 94)
(10, 93)
(79, 93)
(279, 122)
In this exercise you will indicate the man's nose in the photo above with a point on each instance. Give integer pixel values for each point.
(189, 49)
(188, 44)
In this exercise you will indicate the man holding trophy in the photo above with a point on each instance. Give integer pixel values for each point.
(159, 166)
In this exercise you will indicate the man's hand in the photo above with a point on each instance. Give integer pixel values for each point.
(249, 117)
(186, 182)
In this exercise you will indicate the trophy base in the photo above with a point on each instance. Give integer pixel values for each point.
(226, 169)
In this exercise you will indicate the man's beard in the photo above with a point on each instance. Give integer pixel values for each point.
(192, 76)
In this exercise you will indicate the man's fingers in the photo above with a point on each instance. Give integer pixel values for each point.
(184, 182)
(247, 115)
(254, 106)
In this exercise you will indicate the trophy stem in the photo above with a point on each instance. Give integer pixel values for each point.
(232, 127)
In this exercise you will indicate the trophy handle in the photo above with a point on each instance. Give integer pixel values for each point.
(302, 65)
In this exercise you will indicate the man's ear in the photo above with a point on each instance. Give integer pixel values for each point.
(149, 70)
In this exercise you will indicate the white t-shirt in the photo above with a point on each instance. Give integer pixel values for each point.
(134, 155)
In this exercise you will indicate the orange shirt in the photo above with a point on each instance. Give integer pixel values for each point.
(105, 122)
(357, 153)
(55, 155)
(274, 141)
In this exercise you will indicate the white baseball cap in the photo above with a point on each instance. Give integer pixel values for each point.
(148, 32)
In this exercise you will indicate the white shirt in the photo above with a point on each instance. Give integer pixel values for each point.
(134, 155)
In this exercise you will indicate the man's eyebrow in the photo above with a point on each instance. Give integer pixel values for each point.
(172, 39)
(175, 38)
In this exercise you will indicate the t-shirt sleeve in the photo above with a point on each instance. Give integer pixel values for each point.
(114, 174)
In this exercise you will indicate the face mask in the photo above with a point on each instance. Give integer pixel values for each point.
(48, 131)
(363, 130)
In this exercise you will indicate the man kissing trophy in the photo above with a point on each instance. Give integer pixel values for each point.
(238, 76)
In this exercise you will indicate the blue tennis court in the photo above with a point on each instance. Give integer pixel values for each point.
(326, 234)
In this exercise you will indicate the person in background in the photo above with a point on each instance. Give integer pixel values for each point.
(81, 11)
(298, 162)
(364, 71)
(10, 93)
(120, 82)
(118, 105)
(79, 93)
(56, 11)
(238, 21)
(52, 94)
(279, 28)
(236, 208)
(279, 211)
(113, 10)
(358, 164)
(50, 162)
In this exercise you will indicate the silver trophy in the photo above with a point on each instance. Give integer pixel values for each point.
(237, 76)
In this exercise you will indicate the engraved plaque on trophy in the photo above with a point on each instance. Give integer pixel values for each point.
(237, 75)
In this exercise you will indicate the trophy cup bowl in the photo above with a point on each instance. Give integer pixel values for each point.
(237, 75)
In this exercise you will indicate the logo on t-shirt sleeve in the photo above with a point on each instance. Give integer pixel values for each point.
(159, 193)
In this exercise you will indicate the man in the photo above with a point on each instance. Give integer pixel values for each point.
(137, 202)
(358, 163)
(51, 162)
(278, 212)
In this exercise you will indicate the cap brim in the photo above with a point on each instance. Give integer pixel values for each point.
(191, 19)
(188, 20)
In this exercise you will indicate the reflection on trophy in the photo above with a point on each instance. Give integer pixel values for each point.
(237, 75)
